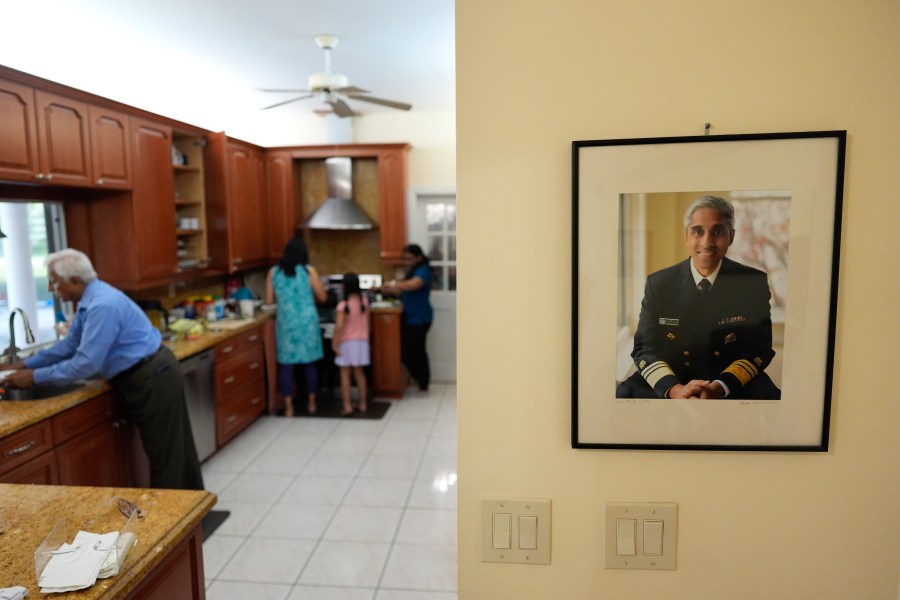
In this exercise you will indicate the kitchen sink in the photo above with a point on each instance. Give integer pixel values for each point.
(40, 392)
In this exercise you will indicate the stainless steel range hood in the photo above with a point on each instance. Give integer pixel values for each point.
(339, 211)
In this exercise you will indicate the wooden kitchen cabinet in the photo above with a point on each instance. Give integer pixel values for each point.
(388, 379)
(92, 458)
(27, 456)
(41, 470)
(49, 138)
(131, 236)
(80, 446)
(110, 148)
(88, 444)
(392, 188)
(279, 190)
(19, 159)
(239, 383)
(236, 185)
(392, 173)
(179, 576)
(64, 140)
(153, 207)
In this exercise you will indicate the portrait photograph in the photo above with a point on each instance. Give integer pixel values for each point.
(704, 291)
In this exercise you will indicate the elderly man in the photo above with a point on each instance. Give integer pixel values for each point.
(111, 336)
(705, 329)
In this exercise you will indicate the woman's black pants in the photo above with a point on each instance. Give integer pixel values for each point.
(414, 354)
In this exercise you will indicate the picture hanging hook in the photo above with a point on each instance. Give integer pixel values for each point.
(706, 128)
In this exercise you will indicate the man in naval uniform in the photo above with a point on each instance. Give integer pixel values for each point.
(705, 329)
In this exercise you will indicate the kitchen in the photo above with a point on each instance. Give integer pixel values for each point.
(148, 267)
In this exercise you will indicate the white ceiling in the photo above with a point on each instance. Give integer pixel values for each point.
(200, 61)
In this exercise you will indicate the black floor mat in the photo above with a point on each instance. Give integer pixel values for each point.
(211, 522)
(332, 409)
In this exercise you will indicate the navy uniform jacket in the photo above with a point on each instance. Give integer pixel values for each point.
(725, 336)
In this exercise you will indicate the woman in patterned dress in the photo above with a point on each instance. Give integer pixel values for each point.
(295, 286)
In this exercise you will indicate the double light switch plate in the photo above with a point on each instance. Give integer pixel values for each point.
(515, 530)
(640, 535)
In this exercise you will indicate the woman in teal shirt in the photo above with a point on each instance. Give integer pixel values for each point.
(296, 287)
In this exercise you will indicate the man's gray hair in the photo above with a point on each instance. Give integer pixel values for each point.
(71, 263)
(723, 206)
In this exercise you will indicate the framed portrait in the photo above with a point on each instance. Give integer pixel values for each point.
(704, 290)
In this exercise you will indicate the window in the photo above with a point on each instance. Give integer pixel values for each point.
(33, 230)
(440, 245)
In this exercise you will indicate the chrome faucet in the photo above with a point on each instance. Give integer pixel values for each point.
(29, 336)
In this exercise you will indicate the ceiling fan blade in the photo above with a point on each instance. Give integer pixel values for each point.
(382, 101)
(287, 101)
(279, 90)
(351, 89)
(341, 108)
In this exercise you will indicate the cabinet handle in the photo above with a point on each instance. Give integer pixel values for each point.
(227, 349)
(49, 177)
(254, 366)
(253, 338)
(255, 400)
(229, 379)
(38, 175)
(238, 260)
(231, 418)
(23, 448)
(100, 182)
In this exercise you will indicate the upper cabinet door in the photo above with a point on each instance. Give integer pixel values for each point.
(392, 184)
(279, 186)
(110, 151)
(153, 200)
(63, 130)
(18, 132)
(245, 172)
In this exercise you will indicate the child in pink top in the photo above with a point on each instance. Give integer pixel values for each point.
(351, 342)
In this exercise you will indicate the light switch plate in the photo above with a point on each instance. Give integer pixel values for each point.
(516, 507)
(667, 512)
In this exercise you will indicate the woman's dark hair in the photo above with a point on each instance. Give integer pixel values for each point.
(416, 251)
(295, 253)
(351, 286)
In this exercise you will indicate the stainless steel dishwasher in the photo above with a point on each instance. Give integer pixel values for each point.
(201, 402)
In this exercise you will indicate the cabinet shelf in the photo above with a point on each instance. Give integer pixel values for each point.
(190, 204)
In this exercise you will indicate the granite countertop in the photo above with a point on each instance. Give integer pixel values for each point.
(29, 512)
(15, 416)
(387, 307)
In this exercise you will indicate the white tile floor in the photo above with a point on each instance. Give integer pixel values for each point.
(337, 509)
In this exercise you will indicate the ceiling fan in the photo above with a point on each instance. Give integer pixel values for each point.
(334, 85)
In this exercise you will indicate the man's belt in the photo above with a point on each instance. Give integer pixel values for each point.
(133, 368)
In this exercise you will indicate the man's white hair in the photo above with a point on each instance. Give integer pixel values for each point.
(71, 263)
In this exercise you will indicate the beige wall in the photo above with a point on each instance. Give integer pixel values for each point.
(531, 78)
(432, 135)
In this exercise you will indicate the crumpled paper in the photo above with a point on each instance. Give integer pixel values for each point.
(13, 593)
(78, 565)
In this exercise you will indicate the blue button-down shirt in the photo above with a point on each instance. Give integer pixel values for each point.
(108, 334)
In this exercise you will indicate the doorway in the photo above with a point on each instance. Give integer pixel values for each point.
(432, 225)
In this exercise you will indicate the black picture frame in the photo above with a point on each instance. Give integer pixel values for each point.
(625, 193)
